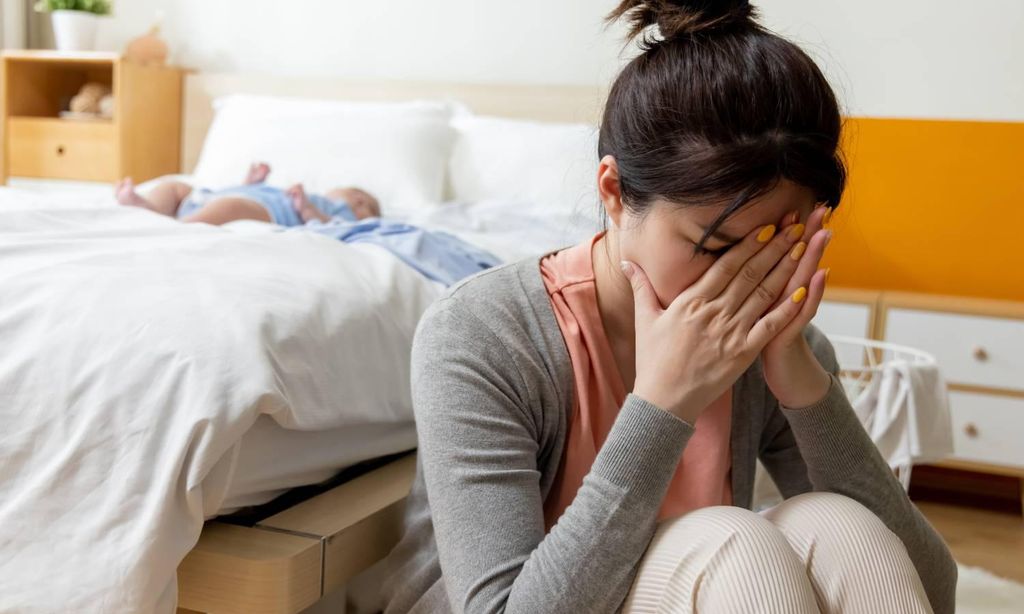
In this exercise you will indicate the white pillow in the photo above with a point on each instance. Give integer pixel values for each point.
(396, 151)
(544, 164)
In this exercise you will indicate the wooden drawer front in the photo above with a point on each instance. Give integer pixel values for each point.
(988, 428)
(60, 149)
(973, 350)
(847, 319)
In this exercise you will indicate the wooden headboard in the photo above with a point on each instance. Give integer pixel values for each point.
(536, 102)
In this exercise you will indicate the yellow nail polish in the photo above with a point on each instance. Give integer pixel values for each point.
(827, 273)
(766, 233)
(798, 250)
(827, 218)
(797, 231)
(799, 294)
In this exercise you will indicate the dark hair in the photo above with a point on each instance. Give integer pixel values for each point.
(717, 109)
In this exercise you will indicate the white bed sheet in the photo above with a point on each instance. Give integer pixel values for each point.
(272, 459)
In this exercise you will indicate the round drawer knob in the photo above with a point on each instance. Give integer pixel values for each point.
(979, 353)
(60, 150)
(970, 430)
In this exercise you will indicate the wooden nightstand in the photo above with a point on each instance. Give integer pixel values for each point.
(141, 141)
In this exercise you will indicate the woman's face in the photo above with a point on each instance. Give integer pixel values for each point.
(662, 241)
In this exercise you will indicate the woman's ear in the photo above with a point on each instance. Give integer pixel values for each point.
(610, 190)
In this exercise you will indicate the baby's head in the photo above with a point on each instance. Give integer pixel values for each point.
(362, 203)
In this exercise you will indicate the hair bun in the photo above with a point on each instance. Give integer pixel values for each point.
(681, 17)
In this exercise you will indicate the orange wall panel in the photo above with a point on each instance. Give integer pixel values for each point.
(932, 206)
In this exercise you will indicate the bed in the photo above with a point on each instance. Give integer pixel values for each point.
(258, 551)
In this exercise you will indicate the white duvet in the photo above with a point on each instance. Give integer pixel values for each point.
(136, 352)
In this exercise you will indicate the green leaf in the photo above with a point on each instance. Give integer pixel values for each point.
(98, 7)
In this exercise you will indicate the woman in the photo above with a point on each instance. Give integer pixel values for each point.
(543, 486)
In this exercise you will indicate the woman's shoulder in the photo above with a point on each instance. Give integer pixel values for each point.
(506, 298)
(514, 281)
(503, 317)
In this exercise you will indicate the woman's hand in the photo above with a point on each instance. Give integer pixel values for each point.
(793, 374)
(689, 353)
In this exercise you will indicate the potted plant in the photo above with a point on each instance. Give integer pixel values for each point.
(74, 21)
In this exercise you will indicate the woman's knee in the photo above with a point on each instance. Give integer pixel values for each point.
(718, 558)
(827, 512)
(711, 529)
(840, 532)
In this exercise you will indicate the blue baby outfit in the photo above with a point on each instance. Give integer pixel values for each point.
(436, 255)
(274, 200)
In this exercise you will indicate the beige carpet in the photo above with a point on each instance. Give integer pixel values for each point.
(980, 592)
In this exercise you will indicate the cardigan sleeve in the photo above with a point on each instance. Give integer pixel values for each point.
(836, 455)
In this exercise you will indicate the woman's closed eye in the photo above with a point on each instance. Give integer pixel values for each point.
(700, 250)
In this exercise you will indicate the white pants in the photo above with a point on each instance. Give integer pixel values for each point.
(814, 553)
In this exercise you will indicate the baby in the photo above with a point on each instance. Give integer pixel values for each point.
(253, 200)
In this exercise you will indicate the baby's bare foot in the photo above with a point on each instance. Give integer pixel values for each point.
(125, 193)
(306, 210)
(258, 172)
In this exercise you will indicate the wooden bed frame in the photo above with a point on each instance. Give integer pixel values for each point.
(290, 560)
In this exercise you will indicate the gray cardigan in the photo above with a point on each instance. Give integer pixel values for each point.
(492, 389)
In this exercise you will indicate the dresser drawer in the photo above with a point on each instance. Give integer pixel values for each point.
(973, 350)
(988, 428)
(62, 149)
(847, 319)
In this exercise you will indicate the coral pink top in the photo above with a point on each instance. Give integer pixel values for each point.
(702, 478)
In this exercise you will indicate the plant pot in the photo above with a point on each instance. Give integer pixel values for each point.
(74, 30)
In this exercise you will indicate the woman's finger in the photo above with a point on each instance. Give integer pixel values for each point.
(645, 300)
(810, 261)
(776, 320)
(809, 306)
(767, 294)
(724, 270)
(815, 250)
(750, 279)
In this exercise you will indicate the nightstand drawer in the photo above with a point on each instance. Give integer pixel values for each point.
(62, 149)
(988, 428)
(974, 350)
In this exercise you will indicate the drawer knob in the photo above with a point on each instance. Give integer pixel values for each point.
(980, 353)
(60, 150)
(970, 430)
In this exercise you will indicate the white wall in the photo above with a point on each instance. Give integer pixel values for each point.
(905, 58)
(914, 58)
(13, 23)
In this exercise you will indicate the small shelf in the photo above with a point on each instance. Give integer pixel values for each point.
(69, 57)
(61, 120)
(140, 140)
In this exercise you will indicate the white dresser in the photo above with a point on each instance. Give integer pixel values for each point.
(979, 346)
(849, 312)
